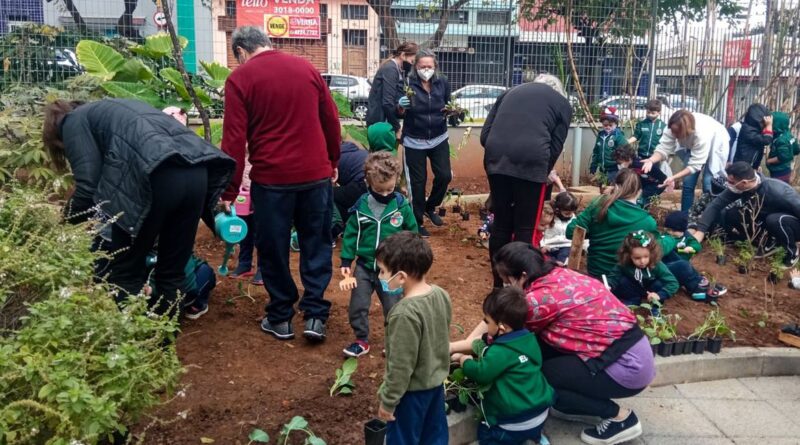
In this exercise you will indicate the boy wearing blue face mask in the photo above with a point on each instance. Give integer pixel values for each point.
(378, 214)
(417, 344)
(608, 139)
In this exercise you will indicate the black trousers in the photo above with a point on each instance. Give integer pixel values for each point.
(179, 194)
(517, 206)
(417, 168)
(579, 391)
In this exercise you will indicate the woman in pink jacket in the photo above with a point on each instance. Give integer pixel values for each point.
(592, 347)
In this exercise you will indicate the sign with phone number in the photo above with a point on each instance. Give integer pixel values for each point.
(289, 19)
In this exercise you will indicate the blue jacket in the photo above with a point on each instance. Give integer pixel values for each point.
(351, 163)
(425, 118)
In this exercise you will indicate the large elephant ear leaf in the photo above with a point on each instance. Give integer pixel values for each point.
(134, 90)
(216, 74)
(98, 59)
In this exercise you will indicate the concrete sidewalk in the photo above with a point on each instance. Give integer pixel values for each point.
(762, 410)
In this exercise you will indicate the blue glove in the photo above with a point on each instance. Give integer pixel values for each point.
(404, 102)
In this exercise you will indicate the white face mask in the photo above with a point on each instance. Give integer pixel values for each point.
(426, 73)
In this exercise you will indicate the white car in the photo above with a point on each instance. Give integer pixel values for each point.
(355, 88)
(631, 107)
(677, 102)
(478, 99)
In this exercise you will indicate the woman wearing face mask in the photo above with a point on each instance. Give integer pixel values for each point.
(609, 219)
(702, 143)
(425, 137)
(387, 86)
(592, 348)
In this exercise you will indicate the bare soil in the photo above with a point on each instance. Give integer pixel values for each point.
(238, 378)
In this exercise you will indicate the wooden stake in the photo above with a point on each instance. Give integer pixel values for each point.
(576, 251)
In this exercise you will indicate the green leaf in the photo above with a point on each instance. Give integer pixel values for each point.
(138, 91)
(216, 139)
(458, 375)
(217, 74)
(258, 435)
(99, 60)
(133, 71)
(357, 133)
(314, 440)
(157, 46)
(297, 423)
(342, 104)
(345, 390)
(174, 77)
(349, 366)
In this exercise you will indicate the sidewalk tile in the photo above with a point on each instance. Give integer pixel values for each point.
(774, 388)
(719, 389)
(661, 392)
(671, 417)
(671, 440)
(745, 418)
(789, 408)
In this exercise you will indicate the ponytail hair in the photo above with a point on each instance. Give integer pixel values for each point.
(54, 114)
(626, 186)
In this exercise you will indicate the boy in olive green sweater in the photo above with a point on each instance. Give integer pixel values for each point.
(417, 344)
(515, 406)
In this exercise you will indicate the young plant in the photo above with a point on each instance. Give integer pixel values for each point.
(468, 392)
(746, 254)
(259, 436)
(776, 267)
(718, 326)
(658, 327)
(298, 423)
(717, 245)
(343, 384)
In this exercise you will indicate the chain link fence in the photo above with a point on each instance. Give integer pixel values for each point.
(714, 56)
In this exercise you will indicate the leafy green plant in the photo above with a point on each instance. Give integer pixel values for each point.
(298, 423)
(717, 245)
(259, 436)
(28, 54)
(468, 391)
(357, 133)
(718, 325)
(658, 326)
(776, 267)
(344, 384)
(746, 254)
(343, 105)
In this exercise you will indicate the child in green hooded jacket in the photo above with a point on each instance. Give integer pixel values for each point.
(783, 149)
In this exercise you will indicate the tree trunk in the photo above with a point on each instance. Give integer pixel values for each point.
(178, 54)
(388, 24)
(76, 15)
(436, 40)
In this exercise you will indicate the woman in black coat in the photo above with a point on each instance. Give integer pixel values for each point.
(387, 86)
(523, 135)
(150, 175)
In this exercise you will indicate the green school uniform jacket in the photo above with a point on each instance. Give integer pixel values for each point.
(646, 277)
(647, 134)
(606, 236)
(364, 231)
(784, 146)
(670, 243)
(603, 153)
(512, 365)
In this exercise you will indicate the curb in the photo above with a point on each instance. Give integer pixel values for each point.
(730, 363)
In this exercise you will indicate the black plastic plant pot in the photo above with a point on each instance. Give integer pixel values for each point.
(699, 346)
(773, 278)
(655, 349)
(116, 439)
(442, 211)
(455, 405)
(686, 347)
(465, 216)
(456, 209)
(721, 260)
(714, 345)
(665, 349)
(743, 270)
(374, 432)
(483, 214)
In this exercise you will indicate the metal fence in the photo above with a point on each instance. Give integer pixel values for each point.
(714, 56)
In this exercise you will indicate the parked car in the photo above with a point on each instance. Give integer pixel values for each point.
(352, 87)
(678, 101)
(478, 100)
(631, 107)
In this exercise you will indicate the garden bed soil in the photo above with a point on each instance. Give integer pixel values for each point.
(239, 379)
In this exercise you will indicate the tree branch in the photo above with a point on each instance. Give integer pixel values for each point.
(444, 19)
(76, 15)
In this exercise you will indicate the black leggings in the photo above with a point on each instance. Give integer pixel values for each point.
(578, 390)
(517, 205)
(417, 167)
(179, 194)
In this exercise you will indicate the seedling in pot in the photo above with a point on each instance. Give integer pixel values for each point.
(776, 267)
(718, 247)
(601, 180)
(442, 211)
(457, 206)
(465, 215)
(717, 329)
(745, 256)
(343, 384)
(660, 328)
(462, 391)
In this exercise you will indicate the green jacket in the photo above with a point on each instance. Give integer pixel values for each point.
(364, 231)
(512, 365)
(647, 134)
(417, 346)
(189, 284)
(603, 153)
(670, 243)
(605, 237)
(646, 277)
(784, 145)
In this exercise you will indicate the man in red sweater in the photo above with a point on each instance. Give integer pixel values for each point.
(278, 107)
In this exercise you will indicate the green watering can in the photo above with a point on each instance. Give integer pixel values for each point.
(231, 229)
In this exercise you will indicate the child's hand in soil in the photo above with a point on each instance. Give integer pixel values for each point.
(653, 297)
(384, 415)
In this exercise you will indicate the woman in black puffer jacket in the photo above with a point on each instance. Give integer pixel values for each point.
(425, 137)
(156, 177)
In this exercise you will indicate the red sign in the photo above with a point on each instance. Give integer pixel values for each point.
(737, 53)
(291, 19)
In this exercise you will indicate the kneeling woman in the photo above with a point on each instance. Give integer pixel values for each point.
(592, 348)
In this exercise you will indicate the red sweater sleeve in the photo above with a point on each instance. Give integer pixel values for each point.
(234, 135)
(329, 117)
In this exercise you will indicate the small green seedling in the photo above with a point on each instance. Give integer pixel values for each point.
(343, 384)
(298, 423)
(259, 436)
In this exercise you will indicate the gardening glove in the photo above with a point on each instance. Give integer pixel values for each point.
(404, 102)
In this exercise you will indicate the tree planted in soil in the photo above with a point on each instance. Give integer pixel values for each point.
(344, 384)
(717, 246)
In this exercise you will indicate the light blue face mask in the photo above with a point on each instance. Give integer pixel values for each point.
(391, 292)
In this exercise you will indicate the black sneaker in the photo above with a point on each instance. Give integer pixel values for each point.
(578, 418)
(423, 232)
(791, 259)
(357, 349)
(281, 331)
(195, 311)
(435, 218)
(610, 432)
(314, 330)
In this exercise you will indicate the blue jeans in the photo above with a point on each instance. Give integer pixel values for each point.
(690, 183)
(309, 208)
(419, 419)
(497, 436)
(684, 272)
(631, 293)
(649, 190)
(206, 281)
(247, 244)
